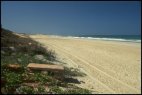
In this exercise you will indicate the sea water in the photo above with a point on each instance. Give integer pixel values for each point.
(125, 38)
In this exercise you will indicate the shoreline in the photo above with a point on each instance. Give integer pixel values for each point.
(94, 38)
(137, 44)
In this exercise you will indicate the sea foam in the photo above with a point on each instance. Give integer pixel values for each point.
(106, 39)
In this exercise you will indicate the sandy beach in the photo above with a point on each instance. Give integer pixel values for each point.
(110, 67)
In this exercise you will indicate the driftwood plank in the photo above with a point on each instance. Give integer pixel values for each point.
(46, 67)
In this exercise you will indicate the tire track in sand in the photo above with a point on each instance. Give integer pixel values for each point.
(113, 83)
(109, 90)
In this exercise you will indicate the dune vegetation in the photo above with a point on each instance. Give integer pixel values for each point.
(17, 51)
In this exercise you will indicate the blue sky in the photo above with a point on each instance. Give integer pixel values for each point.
(72, 17)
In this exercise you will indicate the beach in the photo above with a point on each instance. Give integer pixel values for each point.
(110, 66)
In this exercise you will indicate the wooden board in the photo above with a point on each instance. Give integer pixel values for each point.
(46, 67)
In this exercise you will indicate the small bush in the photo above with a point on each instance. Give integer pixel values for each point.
(77, 91)
(56, 90)
(41, 90)
(13, 81)
(25, 90)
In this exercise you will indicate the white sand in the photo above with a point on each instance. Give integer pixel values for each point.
(111, 67)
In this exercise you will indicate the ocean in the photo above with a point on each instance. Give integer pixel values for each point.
(122, 38)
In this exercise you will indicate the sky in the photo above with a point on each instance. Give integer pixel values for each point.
(72, 17)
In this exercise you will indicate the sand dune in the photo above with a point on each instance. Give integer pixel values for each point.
(111, 67)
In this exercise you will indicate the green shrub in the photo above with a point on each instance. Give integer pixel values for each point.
(77, 91)
(41, 90)
(25, 90)
(56, 90)
(13, 78)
